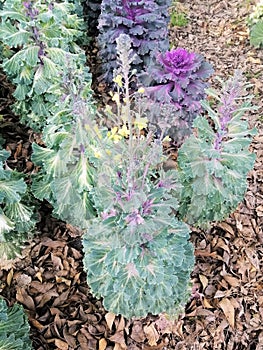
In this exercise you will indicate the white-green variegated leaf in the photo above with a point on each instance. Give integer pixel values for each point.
(41, 188)
(14, 327)
(41, 82)
(10, 190)
(6, 225)
(31, 55)
(41, 155)
(51, 70)
(13, 65)
(64, 191)
(14, 15)
(21, 215)
(57, 55)
(13, 36)
(82, 174)
(20, 92)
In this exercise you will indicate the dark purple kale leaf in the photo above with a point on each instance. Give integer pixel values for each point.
(145, 21)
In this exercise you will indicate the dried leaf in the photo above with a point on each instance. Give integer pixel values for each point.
(118, 338)
(206, 304)
(151, 334)
(10, 277)
(25, 299)
(253, 258)
(102, 344)
(228, 310)
(204, 281)
(233, 281)
(110, 317)
(61, 345)
(39, 276)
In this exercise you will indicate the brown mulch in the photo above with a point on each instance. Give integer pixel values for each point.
(226, 309)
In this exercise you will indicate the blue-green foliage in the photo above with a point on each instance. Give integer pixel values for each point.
(42, 36)
(137, 254)
(214, 163)
(255, 22)
(14, 328)
(65, 177)
(16, 211)
(145, 21)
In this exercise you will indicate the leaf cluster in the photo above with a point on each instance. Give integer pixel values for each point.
(16, 214)
(176, 83)
(214, 163)
(66, 175)
(255, 23)
(136, 251)
(42, 37)
(14, 328)
(145, 21)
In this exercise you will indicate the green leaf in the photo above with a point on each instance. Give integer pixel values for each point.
(41, 83)
(6, 225)
(14, 328)
(12, 36)
(10, 190)
(256, 34)
(51, 69)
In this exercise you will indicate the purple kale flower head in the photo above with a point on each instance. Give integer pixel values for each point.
(177, 62)
(178, 77)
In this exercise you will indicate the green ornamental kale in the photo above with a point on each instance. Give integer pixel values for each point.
(14, 328)
(16, 216)
(137, 253)
(255, 22)
(66, 176)
(42, 37)
(214, 163)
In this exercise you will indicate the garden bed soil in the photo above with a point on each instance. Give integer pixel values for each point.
(226, 308)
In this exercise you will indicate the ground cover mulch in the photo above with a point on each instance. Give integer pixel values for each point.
(226, 308)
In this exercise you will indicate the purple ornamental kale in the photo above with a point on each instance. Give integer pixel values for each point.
(178, 78)
(145, 21)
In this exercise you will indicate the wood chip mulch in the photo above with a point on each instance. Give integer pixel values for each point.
(226, 308)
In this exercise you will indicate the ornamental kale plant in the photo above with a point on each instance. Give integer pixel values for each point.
(42, 36)
(137, 253)
(65, 176)
(214, 163)
(255, 22)
(16, 214)
(145, 21)
(177, 83)
(14, 328)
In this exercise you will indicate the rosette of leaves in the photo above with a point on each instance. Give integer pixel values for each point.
(42, 36)
(145, 21)
(16, 216)
(176, 84)
(14, 328)
(65, 175)
(137, 255)
(214, 163)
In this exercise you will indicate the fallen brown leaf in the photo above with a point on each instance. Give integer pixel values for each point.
(228, 310)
